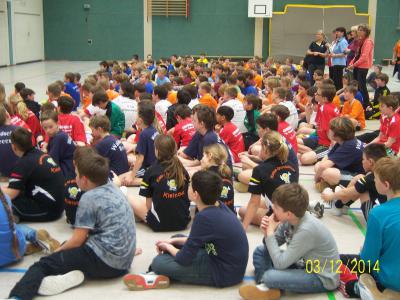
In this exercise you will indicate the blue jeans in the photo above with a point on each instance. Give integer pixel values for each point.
(28, 232)
(199, 272)
(293, 280)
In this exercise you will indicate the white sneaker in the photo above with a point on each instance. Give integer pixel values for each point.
(54, 285)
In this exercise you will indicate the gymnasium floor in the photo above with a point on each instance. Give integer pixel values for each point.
(348, 230)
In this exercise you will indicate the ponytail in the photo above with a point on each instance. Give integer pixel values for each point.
(175, 170)
(276, 146)
(219, 157)
(157, 126)
(11, 224)
(22, 110)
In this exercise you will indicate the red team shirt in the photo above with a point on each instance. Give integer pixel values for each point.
(325, 114)
(390, 128)
(34, 125)
(184, 132)
(73, 126)
(17, 121)
(288, 133)
(233, 138)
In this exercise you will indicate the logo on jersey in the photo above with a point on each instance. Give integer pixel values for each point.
(286, 177)
(51, 162)
(73, 192)
(172, 185)
(224, 192)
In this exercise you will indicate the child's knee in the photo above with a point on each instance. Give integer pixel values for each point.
(308, 158)
(242, 212)
(331, 176)
(259, 252)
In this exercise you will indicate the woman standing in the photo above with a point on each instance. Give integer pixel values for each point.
(396, 59)
(338, 57)
(363, 61)
(316, 53)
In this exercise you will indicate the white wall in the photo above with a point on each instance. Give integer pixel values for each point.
(4, 50)
(28, 34)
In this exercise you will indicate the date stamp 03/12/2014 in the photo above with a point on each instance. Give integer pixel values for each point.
(355, 266)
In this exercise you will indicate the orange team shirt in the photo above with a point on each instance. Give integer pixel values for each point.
(208, 100)
(398, 49)
(240, 97)
(258, 79)
(111, 94)
(66, 95)
(193, 74)
(355, 110)
(86, 101)
(336, 101)
(172, 97)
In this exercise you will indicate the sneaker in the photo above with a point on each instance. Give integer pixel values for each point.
(368, 288)
(319, 210)
(241, 187)
(32, 248)
(46, 242)
(320, 186)
(252, 292)
(337, 211)
(54, 285)
(140, 282)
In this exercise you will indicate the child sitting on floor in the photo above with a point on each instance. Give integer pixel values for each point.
(216, 235)
(229, 133)
(214, 159)
(184, 130)
(309, 245)
(352, 108)
(165, 206)
(14, 238)
(274, 171)
(102, 244)
(361, 187)
(252, 104)
(380, 252)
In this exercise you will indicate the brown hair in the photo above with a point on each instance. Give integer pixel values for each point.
(351, 89)
(384, 77)
(219, 157)
(328, 91)
(205, 86)
(49, 115)
(104, 83)
(365, 28)
(387, 169)
(281, 111)
(273, 82)
(291, 197)
(55, 89)
(166, 154)
(231, 91)
(281, 92)
(11, 224)
(100, 122)
(93, 166)
(3, 114)
(2, 94)
(343, 128)
(275, 145)
(389, 101)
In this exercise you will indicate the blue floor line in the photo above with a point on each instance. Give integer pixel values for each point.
(8, 270)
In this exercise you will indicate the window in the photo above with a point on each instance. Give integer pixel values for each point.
(169, 8)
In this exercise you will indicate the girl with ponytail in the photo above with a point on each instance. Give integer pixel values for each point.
(13, 237)
(165, 188)
(19, 109)
(274, 171)
(214, 159)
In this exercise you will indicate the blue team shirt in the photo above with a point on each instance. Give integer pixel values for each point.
(72, 89)
(149, 87)
(8, 157)
(217, 230)
(61, 148)
(382, 243)
(114, 150)
(249, 90)
(348, 156)
(145, 146)
(198, 142)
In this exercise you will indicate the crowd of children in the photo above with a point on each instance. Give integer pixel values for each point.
(196, 130)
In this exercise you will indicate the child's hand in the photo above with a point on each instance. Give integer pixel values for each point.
(162, 247)
(273, 223)
(116, 180)
(264, 225)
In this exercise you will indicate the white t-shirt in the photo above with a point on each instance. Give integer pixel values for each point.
(293, 118)
(239, 113)
(129, 107)
(162, 107)
(193, 103)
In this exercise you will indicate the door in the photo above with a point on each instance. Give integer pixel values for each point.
(4, 49)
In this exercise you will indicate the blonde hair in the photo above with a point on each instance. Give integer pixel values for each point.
(18, 106)
(273, 82)
(276, 146)
(219, 156)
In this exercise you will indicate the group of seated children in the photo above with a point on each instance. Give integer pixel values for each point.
(184, 143)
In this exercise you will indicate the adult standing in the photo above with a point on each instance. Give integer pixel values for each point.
(353, 44)
(316, 54)
(396, 59)
(363, 61)
(339, 57)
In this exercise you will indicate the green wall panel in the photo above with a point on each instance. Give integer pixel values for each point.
(115, 27)
(387, 32)
(218, 27)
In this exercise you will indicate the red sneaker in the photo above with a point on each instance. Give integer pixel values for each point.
(140, 282)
